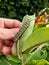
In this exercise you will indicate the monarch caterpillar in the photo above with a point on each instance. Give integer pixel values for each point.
(25, 25)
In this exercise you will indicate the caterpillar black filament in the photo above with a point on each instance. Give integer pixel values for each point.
(25, 25)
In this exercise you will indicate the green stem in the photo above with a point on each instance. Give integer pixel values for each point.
(20, 56)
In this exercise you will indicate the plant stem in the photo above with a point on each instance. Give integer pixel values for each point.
(20, 56)
(22, 60)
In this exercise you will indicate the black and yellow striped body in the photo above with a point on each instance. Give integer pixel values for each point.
(25, 25)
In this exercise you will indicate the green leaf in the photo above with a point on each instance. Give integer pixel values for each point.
(38, 54)
(12, 14)
(12, 3)
(12, 58)
(29, 30)
(25, 56)
(39, 26)
(37, 37)
(39, 62)
(5, 61)
(47, 56)
(46, 46)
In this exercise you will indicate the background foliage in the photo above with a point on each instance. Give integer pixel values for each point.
(18, 8)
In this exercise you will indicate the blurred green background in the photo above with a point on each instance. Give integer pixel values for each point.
(16, 9)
